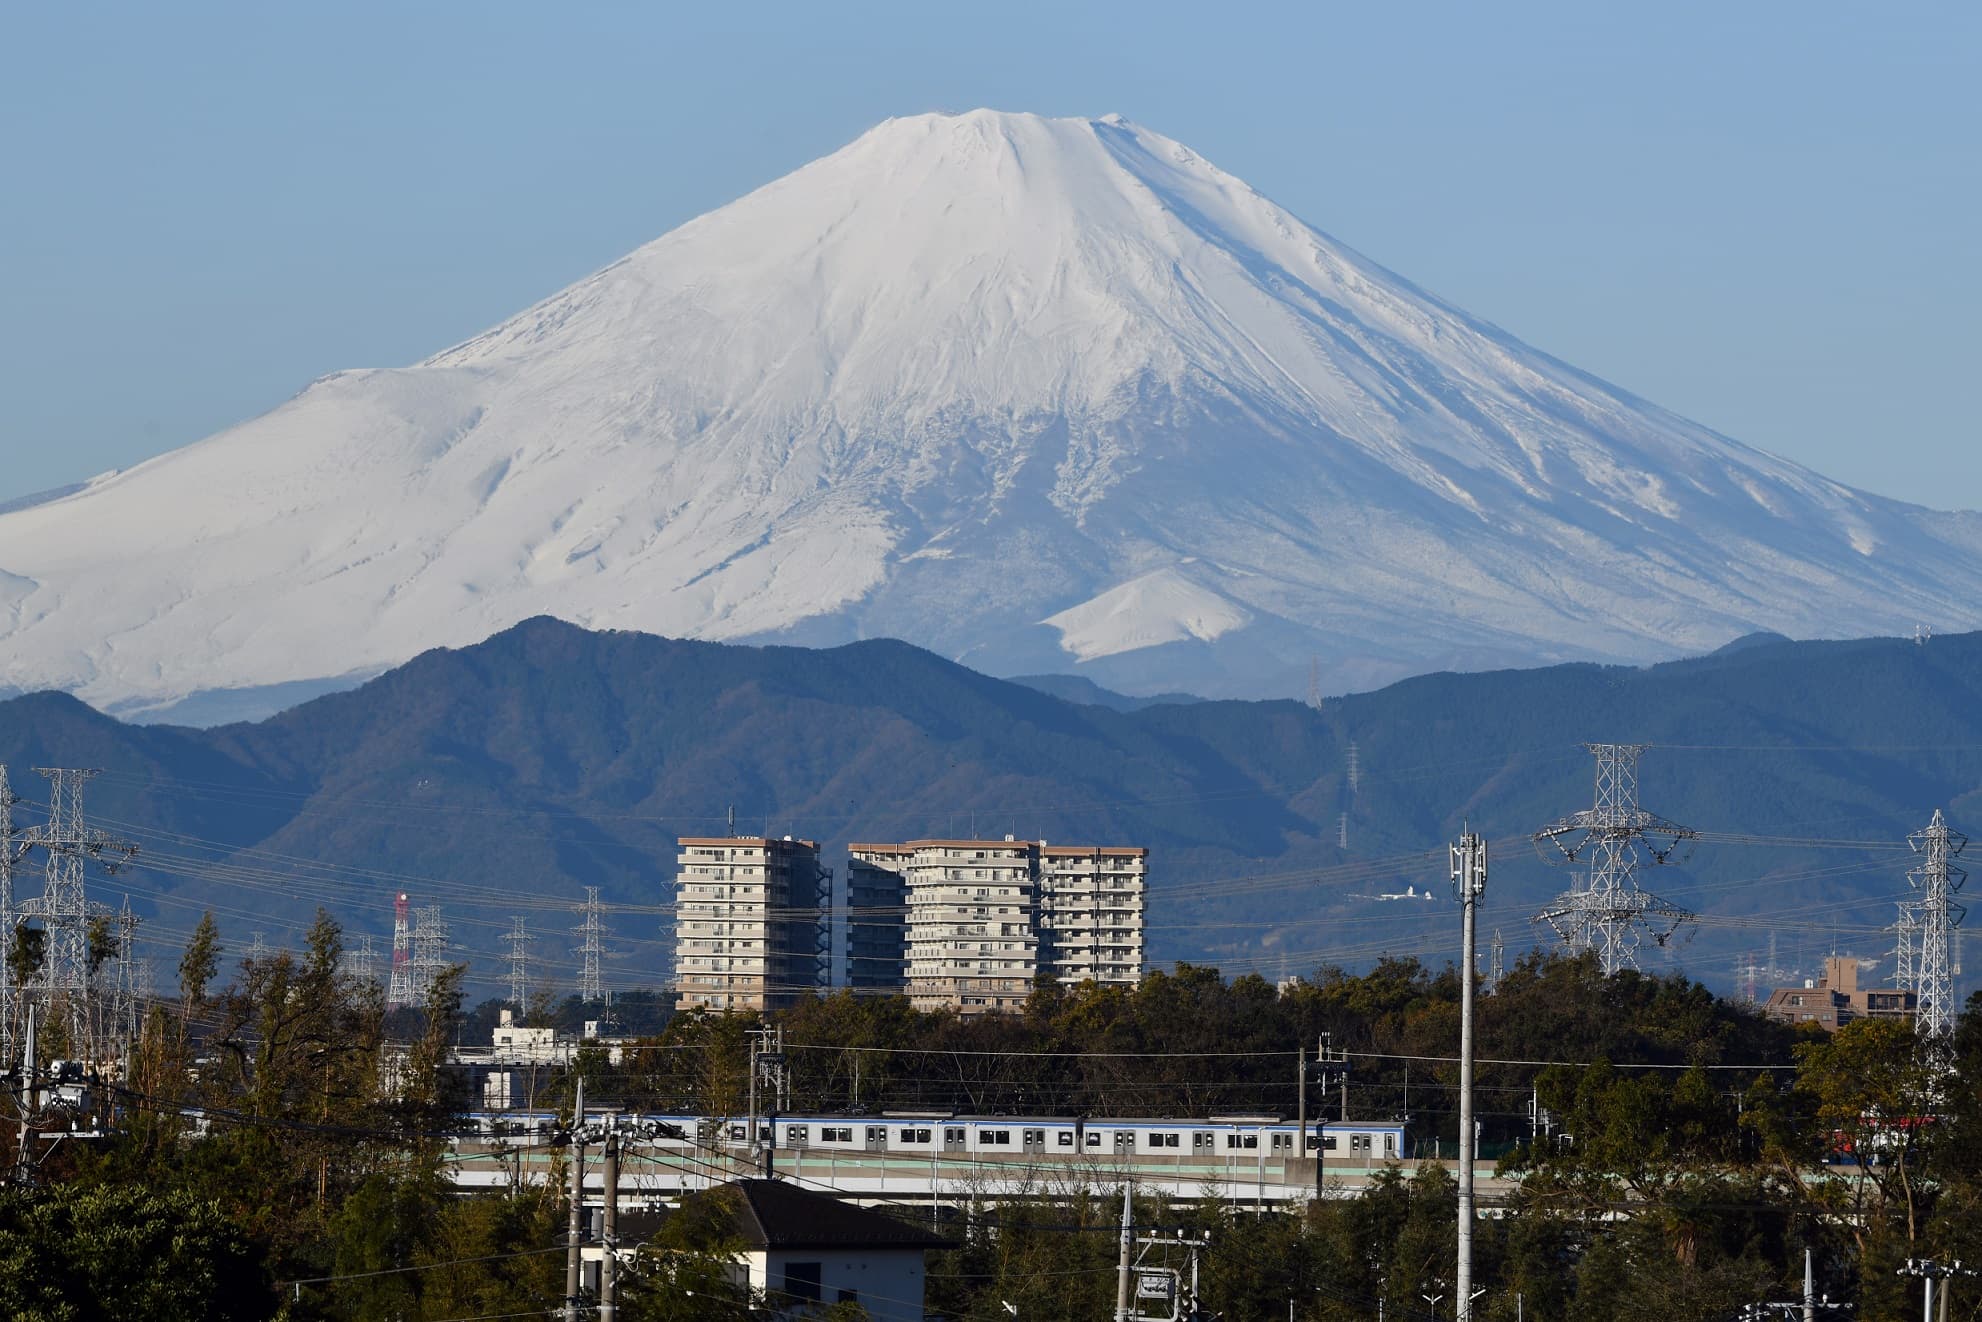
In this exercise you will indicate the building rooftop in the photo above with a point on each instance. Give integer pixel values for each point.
(772, 1214)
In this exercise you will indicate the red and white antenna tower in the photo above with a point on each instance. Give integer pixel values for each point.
(400, 990)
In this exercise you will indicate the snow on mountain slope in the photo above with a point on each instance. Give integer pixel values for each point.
(1030, 392)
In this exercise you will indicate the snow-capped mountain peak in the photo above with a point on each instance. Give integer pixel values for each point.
(1034, 392)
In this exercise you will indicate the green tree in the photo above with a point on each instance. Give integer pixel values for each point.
(73, 1252)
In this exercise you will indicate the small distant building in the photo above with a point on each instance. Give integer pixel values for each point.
(805, 1251)
(1835, 999)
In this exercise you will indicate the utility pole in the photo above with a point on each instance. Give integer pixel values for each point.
(609, 1234)
(1301, 1112)
(1469, 875)
(1930, 1270)
(574, 1232)
(1122, 1266)
(1329, 1065)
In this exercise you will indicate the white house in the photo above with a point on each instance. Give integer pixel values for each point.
(806, 1251)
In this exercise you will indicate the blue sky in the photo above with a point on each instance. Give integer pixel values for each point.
(1759, 215)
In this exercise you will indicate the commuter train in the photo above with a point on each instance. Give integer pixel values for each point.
(1039, 1139)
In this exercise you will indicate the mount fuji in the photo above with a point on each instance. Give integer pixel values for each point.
(1038, 394)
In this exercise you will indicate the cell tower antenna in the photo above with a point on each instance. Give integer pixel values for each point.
(63, 906)
(518, 941)
(399, 990)
(1605, 910)
(591, 978)
(1933, 920)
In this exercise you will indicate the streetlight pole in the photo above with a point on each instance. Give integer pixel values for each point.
(1469, 871)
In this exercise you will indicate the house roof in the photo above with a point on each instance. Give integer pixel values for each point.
(772, 1214)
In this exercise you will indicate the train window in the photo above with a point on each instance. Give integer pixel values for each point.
(836, 1134)
(1246, 1141)
(1066, 1139)
(1162, 1140)
(922, 1136)
(1001, 1137)
(1328, 1143)
(736, 1133)
(1094, 1140)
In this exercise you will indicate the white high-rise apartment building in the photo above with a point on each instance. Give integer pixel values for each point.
(750, 922)
(975, 923)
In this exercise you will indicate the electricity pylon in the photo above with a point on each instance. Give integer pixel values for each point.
(1931, 924)
(1608, 912)
(63, 907)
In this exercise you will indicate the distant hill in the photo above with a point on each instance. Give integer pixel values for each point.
(1079, 688)
(503, 778)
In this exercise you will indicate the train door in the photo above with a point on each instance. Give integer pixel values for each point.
(953, 1138)
(877, 1138)
(1034, 1141)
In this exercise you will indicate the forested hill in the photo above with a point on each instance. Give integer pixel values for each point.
(504, 777)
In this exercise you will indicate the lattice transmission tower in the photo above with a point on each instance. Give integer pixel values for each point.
(1605, 910)
(399, 988)
(518, 941)
(62, 987)
(591, 976)
(130, 983)
(1931, 923)
(362, 964)
(10, 920)
(429, 950)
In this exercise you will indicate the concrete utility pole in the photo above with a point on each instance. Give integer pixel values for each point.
(1301, 1113)
(609, 1235)
(1469, 874)
(1122, 1268)
(574, 1233)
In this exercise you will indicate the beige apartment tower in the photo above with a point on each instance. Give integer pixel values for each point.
(972, 925)
(750, 921)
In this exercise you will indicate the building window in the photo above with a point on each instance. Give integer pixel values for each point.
(802, 1280)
